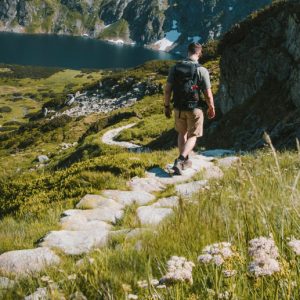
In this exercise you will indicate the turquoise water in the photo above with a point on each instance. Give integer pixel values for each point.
(71, 52)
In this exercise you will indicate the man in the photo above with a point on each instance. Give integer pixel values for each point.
(185, 81)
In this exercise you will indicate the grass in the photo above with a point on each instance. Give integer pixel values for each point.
(257, 198)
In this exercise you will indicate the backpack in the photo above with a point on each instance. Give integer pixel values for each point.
(185, 88)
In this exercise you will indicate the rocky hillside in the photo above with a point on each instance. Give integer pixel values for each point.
(163, 24)
(259, 84)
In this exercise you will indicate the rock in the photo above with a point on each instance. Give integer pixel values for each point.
(129, 197)
(6, 283)
(213, 172)
(167, 202)
(146, 184)
(136, 232)
(80, 223)
(106, 214)
(149, 215)
(188, 189)
(76, 242)
(199, 163)
(25, 262)
(39, 294)
(227, 162)
(97, 201)
(43, 159)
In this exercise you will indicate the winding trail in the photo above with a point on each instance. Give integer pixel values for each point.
(109, 138)
(92, 223)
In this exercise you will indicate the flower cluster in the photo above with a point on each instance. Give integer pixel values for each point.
(216, 253)
(143, 284)
(179, 270)
(264, 255)
(295, 245)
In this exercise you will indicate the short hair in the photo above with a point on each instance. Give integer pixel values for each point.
(194, 48)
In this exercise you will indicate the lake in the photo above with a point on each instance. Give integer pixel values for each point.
(71, 52)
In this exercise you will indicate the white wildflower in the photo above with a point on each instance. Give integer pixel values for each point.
(72, 277)
(264, 255)
(161, 286)
(179, 269)
(154, 282)
(142, 284)
(295, 245)
(225, 295)
(218, 260)
(46, 279)
(216, 253)
(229, 273)
(205, 258)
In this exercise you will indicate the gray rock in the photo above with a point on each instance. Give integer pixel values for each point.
(39, 294)
(150, 215)
(80, 223)
(76, 242)
(97, 201)
(43, 159)
(6, 283)
(129, 197)
(167, 202)
(25, 262)
(106, 214)
(213, 172)
(186, 190)
(227, 162)
(146, 184)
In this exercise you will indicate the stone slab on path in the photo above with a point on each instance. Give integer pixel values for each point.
(105, 214)
(76, 242)
(109, 136)
(213, 172)
(229, 161)
(96, 201)
(25, 262)
(167, 202)
(129, 197)
(150, 215)
(146, 184)
(199, 163)
(186, 190)
(80, 223)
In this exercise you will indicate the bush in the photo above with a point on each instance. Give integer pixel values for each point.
(60, 121)
(5, 109)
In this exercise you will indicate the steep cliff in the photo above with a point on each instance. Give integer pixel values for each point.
(173, 23)
(260, 80)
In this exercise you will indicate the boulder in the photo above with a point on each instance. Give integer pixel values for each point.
(146, 184)
(106, 214)
(150, 215)
(227, 162)
(43, 159)
(76, 242)
(186, 190)
(167, 202)
(25, 262)
(129, 197)
(96, 201)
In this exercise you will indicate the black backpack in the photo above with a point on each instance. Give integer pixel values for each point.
(185, 88)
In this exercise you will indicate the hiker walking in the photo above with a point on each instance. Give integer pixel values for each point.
(185, 82)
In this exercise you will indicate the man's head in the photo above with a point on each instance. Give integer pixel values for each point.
(195, 49)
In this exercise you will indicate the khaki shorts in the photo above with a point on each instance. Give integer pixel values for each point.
(190, 122)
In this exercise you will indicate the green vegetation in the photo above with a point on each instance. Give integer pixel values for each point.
(117, 30)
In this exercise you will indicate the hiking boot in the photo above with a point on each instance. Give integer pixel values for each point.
(187, 164)
(178, 166)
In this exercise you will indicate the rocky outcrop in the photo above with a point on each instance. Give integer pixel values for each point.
(259, 85)
(148, 20)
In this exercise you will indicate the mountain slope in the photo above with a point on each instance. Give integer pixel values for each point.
(259, 82)
(148, 20)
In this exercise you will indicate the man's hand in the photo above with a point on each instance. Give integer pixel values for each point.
(168, 112)
(211, 113)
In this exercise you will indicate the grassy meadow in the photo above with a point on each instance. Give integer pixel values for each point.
(258, 197)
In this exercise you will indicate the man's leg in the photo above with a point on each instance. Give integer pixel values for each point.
(188, 146)
(182, 139)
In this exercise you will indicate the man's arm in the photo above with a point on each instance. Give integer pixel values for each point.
(167, 100)
(209, 98)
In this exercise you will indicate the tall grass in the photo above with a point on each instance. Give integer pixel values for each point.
(257, 198)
